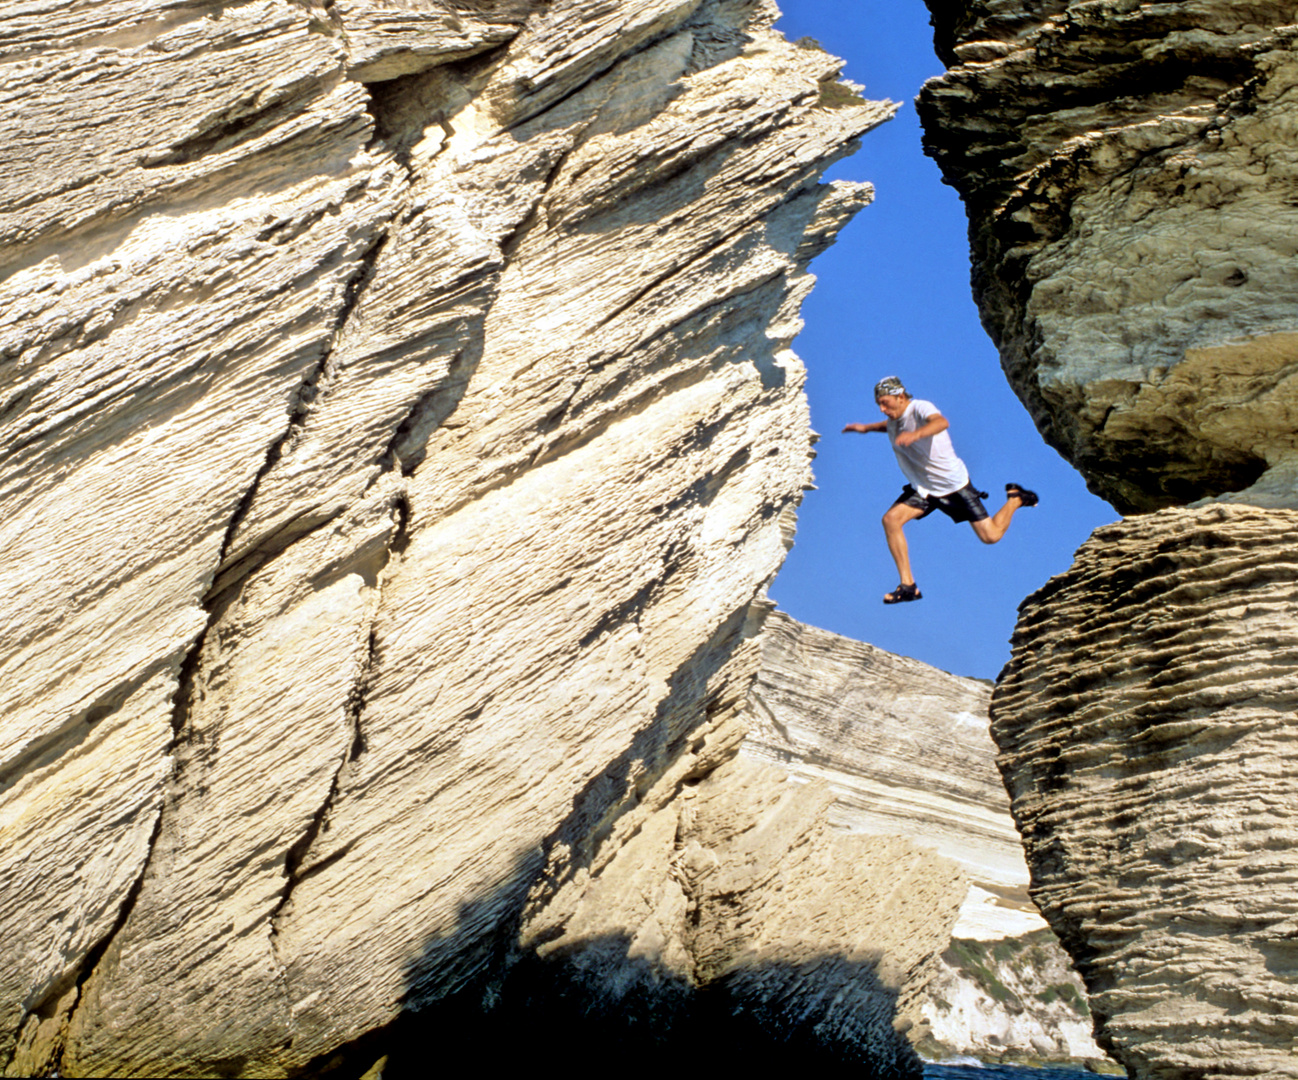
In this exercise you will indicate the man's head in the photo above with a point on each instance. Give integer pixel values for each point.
(891, 397)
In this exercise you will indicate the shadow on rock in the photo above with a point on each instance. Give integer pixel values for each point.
(824, 1013)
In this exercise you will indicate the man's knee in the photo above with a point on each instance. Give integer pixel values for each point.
(986, 531)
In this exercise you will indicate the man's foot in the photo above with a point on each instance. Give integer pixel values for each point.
(902, 593)
(1026, 497)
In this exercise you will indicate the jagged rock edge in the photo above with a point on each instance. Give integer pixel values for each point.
(221, 590)
(294, 871)
(601, 69)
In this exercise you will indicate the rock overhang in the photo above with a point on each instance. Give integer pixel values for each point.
(1117, 161)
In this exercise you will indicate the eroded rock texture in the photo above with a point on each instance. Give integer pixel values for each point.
(905, 750)
(1015, 1000)
(1128, 170)
(398, 420)
(904, 747)
(1146, 726)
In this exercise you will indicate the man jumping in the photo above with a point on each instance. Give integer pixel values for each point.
(938, 479)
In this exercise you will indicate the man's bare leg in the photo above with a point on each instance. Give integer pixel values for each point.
(897, 516)
(991, 529)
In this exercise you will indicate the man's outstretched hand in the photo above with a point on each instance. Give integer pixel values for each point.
(865, 429)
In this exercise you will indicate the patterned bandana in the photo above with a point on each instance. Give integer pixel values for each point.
(889, 385)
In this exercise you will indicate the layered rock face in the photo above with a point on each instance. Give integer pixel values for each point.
(398, 420)
(1128, 168)
(1146, 727)
(713, 919)
(905, 750)
(904, 747)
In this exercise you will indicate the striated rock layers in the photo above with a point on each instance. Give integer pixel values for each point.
(1147, 736)
(711, 919)
(905, 750)
(1128, 170)
(398, 421)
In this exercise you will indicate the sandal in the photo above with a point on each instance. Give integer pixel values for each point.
(902, 593)
(1026, 497)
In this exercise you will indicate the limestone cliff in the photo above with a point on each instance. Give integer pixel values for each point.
(1128, 171)
(397, 421)
(904, 747)
(1146, 727)
(905, 750)
(1011, 1000)
(711, 920)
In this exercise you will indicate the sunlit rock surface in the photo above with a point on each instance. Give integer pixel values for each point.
(1147, 737)
(398, 420)
(1012, 1000)
(733, 910)
(1128, 170)
(904, 748)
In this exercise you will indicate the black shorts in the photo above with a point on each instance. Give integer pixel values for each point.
(963, 505)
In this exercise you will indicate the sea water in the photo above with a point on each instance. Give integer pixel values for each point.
(977, 1071)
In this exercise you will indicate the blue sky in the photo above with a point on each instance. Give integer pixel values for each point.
(892, 297)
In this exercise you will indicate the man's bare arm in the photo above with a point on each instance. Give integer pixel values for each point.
(927, 431)
(865, 429)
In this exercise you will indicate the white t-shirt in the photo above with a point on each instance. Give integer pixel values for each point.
(929, 464)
